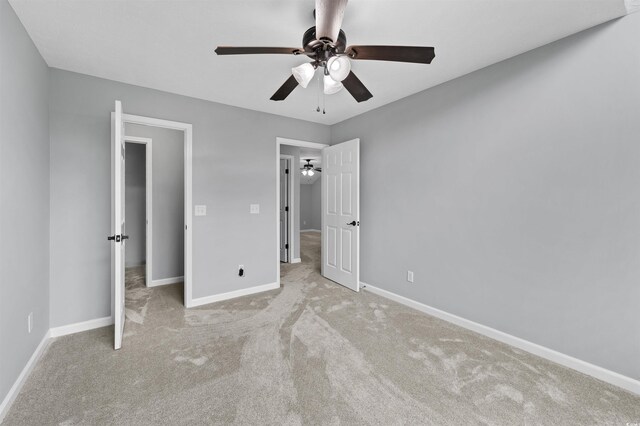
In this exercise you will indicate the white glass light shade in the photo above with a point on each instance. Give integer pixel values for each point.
(331, 86)
(303, 74)
(304, 172)
(310, 172)
(339, 67)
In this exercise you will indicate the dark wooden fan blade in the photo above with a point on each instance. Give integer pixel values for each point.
(230, 50)
(329, 15)
(415, 54)
(284, 90)
(356, 88)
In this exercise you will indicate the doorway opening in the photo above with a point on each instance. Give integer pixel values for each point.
(339, 237)
(165, 223)
(310, 190)
(123, 125)
(154, 253)
(289, 153)
(310, 172)
(139, 205)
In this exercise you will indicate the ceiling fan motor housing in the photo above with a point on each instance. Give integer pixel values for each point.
(323, 48)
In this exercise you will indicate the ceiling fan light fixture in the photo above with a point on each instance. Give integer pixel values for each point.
(331, 86)
(304, 172)
(303, 74)
(310, 172)
(339, 67)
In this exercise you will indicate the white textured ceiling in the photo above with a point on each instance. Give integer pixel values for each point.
(168, 45)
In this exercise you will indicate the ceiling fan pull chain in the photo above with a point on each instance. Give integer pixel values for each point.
(321, 86)
(323, 99)
(319, 90)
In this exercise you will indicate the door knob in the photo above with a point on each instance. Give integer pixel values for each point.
(117, 238)
(353, 223)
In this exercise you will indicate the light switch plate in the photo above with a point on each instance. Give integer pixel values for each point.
(201, 210)
(254, 208)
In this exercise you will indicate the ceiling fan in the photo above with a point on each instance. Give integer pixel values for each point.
(308, 169)
(326, 45)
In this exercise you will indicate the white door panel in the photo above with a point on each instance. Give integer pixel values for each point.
(118, 226)
(341, 213)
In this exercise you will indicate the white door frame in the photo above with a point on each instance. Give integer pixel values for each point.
(292, 210)
(188, 192)
(147, 142)
(302, 144)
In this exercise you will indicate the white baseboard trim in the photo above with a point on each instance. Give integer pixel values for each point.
(232, 294)
(584, 367)
(166, 281)
(51, 333)
(80, 326)
(22, 378)
(309, 230)
(296, 260)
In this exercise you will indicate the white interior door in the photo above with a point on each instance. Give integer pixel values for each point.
(284, 210)
(118, 237)
(341, 213)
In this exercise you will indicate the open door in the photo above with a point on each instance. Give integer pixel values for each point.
(284, 210)
(341, 213)
(118, 237)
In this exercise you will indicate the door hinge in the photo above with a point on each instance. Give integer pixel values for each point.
(286, 209)
(286, 246)
(286, 171)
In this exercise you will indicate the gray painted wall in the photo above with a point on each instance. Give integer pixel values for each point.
(24, 197)
(227, 141)
(168, 198)
(310, 210)
(295, 151)
(135, 204)
(316, 205)
(305, 206)
(512, 193)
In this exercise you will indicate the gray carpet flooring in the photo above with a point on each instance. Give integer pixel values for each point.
(310, 352)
